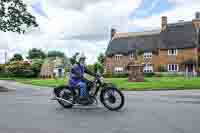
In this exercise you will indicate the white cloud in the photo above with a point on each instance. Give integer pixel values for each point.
(73, 25)
(184, 2)
(184, 10)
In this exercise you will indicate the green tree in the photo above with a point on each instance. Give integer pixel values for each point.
(73, 58)
(36, 66)
(14, 16)
(55, 54)
(101, 58)
(91, 67)
(36, 54)
(98, 67)
(17, 57)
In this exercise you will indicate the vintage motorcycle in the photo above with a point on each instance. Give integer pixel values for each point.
(109, 95)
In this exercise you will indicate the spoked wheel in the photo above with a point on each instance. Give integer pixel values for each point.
(67, 95)
(112, 98)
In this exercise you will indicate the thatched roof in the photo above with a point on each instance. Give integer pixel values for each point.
(179, 35)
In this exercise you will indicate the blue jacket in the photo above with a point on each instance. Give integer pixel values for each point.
(77, 74)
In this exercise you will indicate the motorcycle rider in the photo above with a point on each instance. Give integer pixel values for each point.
(77, 79)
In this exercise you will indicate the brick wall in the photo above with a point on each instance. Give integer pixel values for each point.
(182, 55)
(162, 58)
(111, 63)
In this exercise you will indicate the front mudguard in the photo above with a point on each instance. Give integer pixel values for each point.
(108, 85)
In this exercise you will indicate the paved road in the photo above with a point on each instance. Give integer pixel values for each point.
(28, 110)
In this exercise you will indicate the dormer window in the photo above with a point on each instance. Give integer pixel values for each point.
(147, 55)
(132, 55)
(172, 52)
(118, 57)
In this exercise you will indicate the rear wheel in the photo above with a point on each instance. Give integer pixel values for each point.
(112, 98)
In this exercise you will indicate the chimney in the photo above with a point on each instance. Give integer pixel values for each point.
(113, 31)
(5, 56)
(196, 20)
(163, 23)
(197, 15)
(196, 25)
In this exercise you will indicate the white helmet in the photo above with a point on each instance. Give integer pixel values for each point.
(81, 57)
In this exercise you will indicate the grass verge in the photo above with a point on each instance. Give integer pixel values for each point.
(154, 83)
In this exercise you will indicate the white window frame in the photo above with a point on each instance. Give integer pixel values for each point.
(118, 57)
(132, 55)
(147, 55)
(118, 69)
(171, 67)
(148, 68)
(173, 52)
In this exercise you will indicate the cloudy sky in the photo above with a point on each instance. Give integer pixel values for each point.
(84, 25)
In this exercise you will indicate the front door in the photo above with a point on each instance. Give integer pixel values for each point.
(189, 68)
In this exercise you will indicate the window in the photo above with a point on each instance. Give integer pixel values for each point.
(172, 67)
(148, 55)
(172, 52)
(118, 57)
(148, 68)
(132, 55)
(119, 69)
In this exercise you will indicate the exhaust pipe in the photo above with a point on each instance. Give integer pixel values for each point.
(58, 98)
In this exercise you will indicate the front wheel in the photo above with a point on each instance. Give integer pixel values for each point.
(112, 98)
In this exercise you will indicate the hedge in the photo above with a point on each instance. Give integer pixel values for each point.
(116, 75)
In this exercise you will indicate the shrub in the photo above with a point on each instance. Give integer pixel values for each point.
(162, 68)
(120, 75)
(3, 74)
(67, 69)
(116, 75)
(2, 68)
(170, 75)
(107, 75)
(149, 74)
(158, 75)
(19, 69)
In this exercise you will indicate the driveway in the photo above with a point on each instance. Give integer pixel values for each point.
(27, 109)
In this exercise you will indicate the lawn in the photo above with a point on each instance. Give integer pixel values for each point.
(154, 83)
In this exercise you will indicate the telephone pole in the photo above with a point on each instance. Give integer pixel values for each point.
(5, 56)
(197, 51)
(196, 24)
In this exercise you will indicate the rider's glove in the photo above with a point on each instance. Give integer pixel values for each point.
(98, 75)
